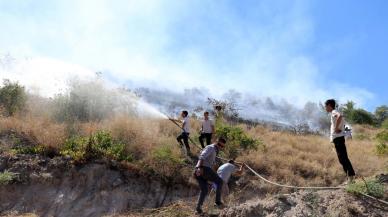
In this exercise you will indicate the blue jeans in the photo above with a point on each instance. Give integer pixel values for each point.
(208, 175)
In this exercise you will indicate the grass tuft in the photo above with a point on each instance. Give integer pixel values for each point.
(370, 186)
(7, 177)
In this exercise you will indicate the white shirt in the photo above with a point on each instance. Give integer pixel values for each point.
(207, 126)
(333, 134)
(225, 171)
(186, 124)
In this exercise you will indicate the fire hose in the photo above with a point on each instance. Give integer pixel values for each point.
(282, 185)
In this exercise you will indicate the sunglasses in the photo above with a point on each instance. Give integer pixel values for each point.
(221, 144)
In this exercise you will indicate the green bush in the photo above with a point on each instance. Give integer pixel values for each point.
(98, 145)
(384, 125)
(164, 154)
(382, 143)
(6, 177)
(371, 187)
(29, 149)
(237, 139)
(361, 116)
(165, 162)
(381, 114)
(12, 97)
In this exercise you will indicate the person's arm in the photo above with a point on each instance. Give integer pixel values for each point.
(204, 154)
(338, 122)
(239, 171)
(175, 120)
(184, 123)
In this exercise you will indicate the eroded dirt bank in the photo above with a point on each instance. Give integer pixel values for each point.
(55, 187)
(309, 203)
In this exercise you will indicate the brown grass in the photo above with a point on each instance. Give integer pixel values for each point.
(288, 158)
(311, 159)
(42, 130)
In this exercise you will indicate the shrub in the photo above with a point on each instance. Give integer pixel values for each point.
(381, 114)
(382, 143)
(371, 186)
(12, 97)
(6, 177)
(96, 146)
(361, 116)
(165, 161)
(29, 149)
(92, 101)
(384, 125)
(237, 139)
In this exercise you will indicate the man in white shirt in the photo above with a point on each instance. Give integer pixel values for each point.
(185, 131)
(337, 136)
(207, 130)
(225, 171)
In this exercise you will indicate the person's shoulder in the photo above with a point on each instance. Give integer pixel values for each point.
(335, 112)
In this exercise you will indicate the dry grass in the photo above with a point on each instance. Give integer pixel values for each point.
(288, 158)
(42, 130)
(311, 159)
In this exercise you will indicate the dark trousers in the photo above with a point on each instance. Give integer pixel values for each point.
(185, 137)
(208, 175)
(207, 136)
(343, 155)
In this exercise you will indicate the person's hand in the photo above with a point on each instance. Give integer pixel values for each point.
(199, 172)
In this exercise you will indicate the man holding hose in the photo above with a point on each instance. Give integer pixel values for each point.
(185, 131)
(204, 173)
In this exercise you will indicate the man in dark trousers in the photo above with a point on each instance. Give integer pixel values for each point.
(204, 173)
(207, 130)
(185, 131)
(337, 136)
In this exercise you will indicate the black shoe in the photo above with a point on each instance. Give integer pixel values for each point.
(219, 205)
(198, 211)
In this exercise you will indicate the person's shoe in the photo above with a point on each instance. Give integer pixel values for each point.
(219, 205)
(198, 211)
(350, 180)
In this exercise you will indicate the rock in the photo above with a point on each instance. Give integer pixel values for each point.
(53, 187)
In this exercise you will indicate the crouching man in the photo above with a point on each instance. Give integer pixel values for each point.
(225, 171)
(204, 173)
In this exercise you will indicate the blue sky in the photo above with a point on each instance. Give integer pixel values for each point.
(296, 50)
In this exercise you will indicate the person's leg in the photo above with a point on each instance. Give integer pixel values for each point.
(210, 175)
(204, 191)
(208, 138)
(342, 154)
(201, 140)
(225, 190)
(179, 139)
(186, 141)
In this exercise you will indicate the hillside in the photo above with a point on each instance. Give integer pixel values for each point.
(150, 176)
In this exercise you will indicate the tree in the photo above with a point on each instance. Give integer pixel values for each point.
(361, 116)
(381, 114)
(12, 97)
(348, 109)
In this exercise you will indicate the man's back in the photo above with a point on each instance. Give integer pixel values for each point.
(225, 171)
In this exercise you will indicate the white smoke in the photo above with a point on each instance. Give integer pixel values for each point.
(48, 77)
